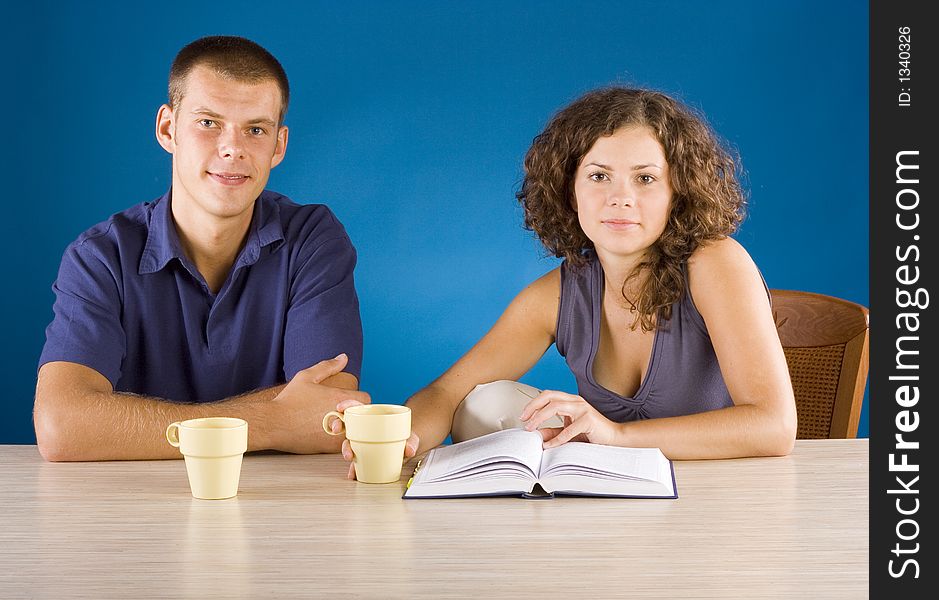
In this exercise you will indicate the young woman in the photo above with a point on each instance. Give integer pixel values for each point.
(663, 318)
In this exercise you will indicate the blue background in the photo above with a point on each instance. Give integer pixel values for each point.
(410, 120)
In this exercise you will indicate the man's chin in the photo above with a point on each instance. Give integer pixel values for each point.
(228, 206)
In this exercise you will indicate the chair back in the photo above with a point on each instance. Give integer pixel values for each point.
(826, 341)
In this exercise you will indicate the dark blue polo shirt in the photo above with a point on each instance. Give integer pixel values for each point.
(130, 305)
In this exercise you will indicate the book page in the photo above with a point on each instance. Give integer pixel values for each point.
(640, 463)
(506, 463)
(592, 469)
(510, 450)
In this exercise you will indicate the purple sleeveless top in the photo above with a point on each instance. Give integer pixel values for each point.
(682, 377)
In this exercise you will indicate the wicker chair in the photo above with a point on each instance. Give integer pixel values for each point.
(826, 344)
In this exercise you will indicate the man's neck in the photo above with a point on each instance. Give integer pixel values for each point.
(212, 244)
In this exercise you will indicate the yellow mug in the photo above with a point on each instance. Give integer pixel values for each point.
(213, 448)
(378, 434)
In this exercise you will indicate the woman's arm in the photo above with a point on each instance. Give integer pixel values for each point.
(729, 294)
(514, 344)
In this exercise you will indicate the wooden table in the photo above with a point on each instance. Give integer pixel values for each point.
(792, 527)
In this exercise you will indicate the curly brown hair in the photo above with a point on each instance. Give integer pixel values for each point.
(708, 200)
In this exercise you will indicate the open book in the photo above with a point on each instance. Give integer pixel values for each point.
(513, 463)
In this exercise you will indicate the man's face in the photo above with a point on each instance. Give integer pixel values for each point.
(224, 140)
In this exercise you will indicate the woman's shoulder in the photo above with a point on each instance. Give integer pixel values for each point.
(720, 258)
(537, 304)
(545, 288)
(713, 253)
(722, 268)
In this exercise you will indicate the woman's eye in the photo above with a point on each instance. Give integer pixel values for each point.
(646, 179)
(598, 176)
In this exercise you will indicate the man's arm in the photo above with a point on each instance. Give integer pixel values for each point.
(79, 417)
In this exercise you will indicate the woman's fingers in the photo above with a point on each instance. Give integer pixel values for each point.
(563, 408)
(567, 434)
(410, 448)
(342, 406)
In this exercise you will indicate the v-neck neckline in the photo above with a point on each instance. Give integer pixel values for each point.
(597, 300)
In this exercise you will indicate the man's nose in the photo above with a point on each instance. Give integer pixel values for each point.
(230, 145)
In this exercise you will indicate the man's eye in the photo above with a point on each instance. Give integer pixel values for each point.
(256, 131)
(206, 122)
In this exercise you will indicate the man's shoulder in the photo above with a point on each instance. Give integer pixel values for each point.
(305, 223)
(120, 231)
(113, 245)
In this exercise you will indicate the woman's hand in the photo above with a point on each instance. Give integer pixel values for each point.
(410, 448)
(582, 422)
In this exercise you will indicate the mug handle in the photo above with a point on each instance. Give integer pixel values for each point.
(172, 434)
(327, 425)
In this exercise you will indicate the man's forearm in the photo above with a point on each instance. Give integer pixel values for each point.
(98, 425)
(78, 416)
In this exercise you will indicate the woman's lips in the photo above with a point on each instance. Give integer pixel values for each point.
(620, 224)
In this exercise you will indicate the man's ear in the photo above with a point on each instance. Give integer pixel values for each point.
(165, 128)
(281, 147)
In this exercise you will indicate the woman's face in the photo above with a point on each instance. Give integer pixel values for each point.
(622, 192)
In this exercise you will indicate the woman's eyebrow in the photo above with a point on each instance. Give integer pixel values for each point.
(633, 168)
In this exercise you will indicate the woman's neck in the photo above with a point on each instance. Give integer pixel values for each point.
(616, 271)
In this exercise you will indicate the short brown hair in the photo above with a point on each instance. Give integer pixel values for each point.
(708, 201)
(231, 57)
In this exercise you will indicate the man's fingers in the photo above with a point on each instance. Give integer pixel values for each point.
(327, 368)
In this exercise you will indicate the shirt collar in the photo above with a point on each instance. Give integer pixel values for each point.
(163, 243)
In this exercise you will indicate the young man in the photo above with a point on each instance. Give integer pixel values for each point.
(220, 298)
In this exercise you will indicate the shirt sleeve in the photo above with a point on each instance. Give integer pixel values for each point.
(323, 315)
(86, 325)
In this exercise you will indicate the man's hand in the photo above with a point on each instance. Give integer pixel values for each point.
(302, 403)
(410, 448)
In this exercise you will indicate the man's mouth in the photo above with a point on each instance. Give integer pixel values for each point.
(228, 178)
